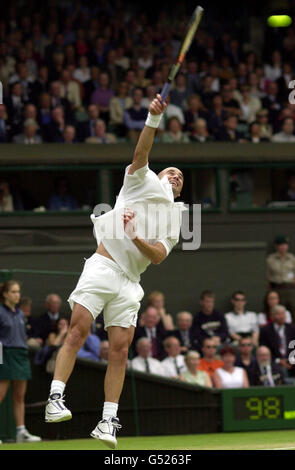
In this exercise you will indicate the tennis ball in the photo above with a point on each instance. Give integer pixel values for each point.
(279, 21)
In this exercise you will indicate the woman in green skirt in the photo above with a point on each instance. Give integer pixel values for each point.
(15, 367)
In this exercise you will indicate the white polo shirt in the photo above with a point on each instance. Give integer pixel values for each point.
(148, 196)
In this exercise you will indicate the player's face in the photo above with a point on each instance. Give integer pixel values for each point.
(175, 178)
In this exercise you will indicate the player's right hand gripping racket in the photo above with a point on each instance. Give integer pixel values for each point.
(190, 32)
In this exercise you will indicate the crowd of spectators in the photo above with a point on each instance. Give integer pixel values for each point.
(85, 73)
(212, 348)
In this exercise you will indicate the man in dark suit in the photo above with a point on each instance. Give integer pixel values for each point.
(154, 330)
(265, 372)
(86, 128)
(277, 337)
(185, 333)
(229, 133)
(47, 322)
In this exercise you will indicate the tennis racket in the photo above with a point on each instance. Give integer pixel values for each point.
(190, 33)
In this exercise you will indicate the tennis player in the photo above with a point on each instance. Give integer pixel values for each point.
(110, 279)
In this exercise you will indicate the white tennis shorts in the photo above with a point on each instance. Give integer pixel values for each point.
(104, 286)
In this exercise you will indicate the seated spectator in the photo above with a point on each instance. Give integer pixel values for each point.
(104, 352)
(174, 364)
(209, 361)
(185, 333)
(41, 84)
(249, 105)
(200, 133)
(90, 349)
(121, 59)
(277, 337)
(153, 330)
(70, 89)
(15, 105)
(174, 133)
(273, 70)
(82, 73)
(118, 105)
(193, 112)
(245, 357)
(209, 323)
(171, 111)
(29, 135)
(216, 115)
(141, 80)
(62, 200)
(4, 126)
(284, 80)
(58, 102)
(102, 96)
(254, 85)
(241, 322)
(193, 375)
(230, 376)
(100, 135)
(53, 132)
(69, 135)
(156, 299)
(44, 110)
(180, 93)
(135, 116)
(266, 373)
(230, 104)
(91, 85)
(272, 102)
(287, 133)
(229, 133)
(57, 338)
(143, 362)
(9, 200)
(23, 76)
(207, 92)
(47, 323)
(271, 298)
(255, 134)
(85, 129)
(114, 71)
(25, 305)
(265, 127)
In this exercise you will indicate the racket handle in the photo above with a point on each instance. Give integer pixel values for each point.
(165, 90)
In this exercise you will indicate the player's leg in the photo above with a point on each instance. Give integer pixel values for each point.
(19, 388)
(120, 339)
(4, 385)
(81, 321)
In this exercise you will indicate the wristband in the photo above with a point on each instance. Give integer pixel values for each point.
(153, 120)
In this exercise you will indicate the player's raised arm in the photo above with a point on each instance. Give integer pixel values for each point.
(146, 138)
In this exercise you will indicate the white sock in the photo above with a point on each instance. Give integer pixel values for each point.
(109, 410)
(57, 387)
(20, 429)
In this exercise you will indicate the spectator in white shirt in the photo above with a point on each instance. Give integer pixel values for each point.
(241, 322)
(144, 362)
(171, 111)
(174, 364)
(286, 134)
(82, 73)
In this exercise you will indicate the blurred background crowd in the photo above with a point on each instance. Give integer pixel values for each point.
(87, 71)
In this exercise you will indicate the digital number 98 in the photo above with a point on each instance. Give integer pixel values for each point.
(269, 407)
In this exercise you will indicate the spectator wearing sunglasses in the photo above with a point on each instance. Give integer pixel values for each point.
(242, 322)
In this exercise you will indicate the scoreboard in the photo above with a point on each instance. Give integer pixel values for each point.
(256, 408)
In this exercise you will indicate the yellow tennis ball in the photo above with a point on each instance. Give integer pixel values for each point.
(279, 21)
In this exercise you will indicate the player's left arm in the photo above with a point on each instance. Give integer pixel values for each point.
(146, 138)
